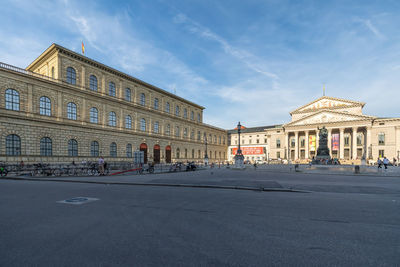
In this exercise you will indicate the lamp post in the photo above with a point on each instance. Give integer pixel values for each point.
(205, 152)
(239, 158)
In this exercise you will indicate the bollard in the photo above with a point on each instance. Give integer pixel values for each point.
(357, 169)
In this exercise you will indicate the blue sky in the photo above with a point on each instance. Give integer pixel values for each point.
(252, 61)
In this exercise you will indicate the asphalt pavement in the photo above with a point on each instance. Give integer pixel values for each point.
(147, 220)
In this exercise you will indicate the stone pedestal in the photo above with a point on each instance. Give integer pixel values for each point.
(239, 162)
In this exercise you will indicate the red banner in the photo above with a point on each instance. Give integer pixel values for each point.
(249, 150)
(335, 142)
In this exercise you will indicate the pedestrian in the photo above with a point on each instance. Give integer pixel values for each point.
(394, 161)
(379, 163)
(101, 166)
(255, 165)
(385, 162)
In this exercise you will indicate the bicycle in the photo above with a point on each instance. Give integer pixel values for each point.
(3, 171)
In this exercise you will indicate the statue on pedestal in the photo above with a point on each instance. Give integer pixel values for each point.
(323, 150)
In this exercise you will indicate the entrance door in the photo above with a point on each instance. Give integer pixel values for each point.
(168, 154)
(156, 153)
(143, 147)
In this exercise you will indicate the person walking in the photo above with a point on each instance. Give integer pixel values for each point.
(379, 163)
(385, 162)
(101, 166)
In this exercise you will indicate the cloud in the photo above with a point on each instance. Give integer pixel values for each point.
(244, 56)
(371, 27)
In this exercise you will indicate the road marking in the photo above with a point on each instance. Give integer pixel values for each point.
(78, 200)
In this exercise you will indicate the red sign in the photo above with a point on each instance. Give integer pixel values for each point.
(250, 150)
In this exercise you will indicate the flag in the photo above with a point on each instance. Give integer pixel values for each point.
(83, 48)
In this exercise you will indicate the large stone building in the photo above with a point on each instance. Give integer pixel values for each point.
(352, 136)
(65, 106)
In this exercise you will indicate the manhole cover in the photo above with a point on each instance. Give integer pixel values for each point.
(78, 200)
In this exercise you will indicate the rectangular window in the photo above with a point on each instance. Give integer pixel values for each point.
(278, 143)
(346, 140)
(381, 153)
(278, 155)
(359, 139)
(302, 142)
(265, 141)
(293, 142)
(381, 139)
(258, 141)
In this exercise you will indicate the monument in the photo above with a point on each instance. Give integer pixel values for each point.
(323, 150)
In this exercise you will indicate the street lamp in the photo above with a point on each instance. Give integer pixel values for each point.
(239, 158)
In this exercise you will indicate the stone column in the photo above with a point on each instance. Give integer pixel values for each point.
(286, 145)
(307, 143)
(296, 145)
(330, 141)
(354, 143)
(341, 144)
(368, 147)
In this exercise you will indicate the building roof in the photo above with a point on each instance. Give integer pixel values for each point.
(254, 129)
(349, 103)
(97, 64)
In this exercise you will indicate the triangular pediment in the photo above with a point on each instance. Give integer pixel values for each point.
(327, 102)
(328, 116)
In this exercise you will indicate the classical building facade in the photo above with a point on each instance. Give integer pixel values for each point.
(65, 106)
(352, 136)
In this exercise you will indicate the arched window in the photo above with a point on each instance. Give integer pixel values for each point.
(129, 151)
(192, 115)
(46, 147)
(167, 107)
(185, 132)
(128, 122)
(186, 153)
(71, 111)
(142, 99)
(168, 129)
(72, 148)
(198, 117)
(177, 110)
(156, 103)
(215, 139)
(52, 72)
(223, 140)
(192, 134)
(199, 154)
(177, 131)
(185, 114)
(128, 95)
(45, 106)
(71, 75)
(12, 99)
(94, 115)
(93, 83)
(156, 127)
(111, 89)
(113, 150)
(198, 136)
(192, 153)
(13, 145)
(178, 152)
(112, 119)
(94, 149)
(143, 125)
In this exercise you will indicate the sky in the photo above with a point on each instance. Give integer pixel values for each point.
(248, 61)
